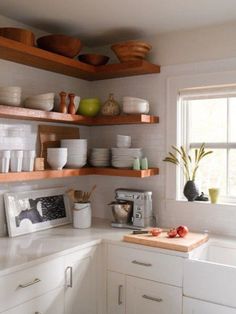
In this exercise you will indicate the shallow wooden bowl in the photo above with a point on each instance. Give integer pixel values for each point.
(24, 36)
(93, 59)
(61, 44)
(131, 50)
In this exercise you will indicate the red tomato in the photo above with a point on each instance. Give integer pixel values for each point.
(182, 231)
(172, 233)
(156, 232)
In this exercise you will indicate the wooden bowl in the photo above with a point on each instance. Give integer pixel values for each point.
(131, 50)
(18, 34)
(61, 44)
(93, 59)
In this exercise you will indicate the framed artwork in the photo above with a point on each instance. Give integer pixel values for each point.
(31, 211)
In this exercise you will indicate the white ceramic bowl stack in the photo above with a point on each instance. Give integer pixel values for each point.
(123, 141)
(77, 152)
(43, 102)
(133, 105)
(57, 157)
(10, 96)
(124, 157)
(100, 157)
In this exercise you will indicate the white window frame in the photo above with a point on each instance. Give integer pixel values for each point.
(174, 85)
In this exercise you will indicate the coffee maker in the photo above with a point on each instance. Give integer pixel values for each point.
(142, 212)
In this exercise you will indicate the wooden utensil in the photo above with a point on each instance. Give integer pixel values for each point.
(50, 136)
(62, 106)
(71, 107)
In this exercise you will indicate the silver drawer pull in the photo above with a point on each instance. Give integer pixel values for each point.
(25, 285)
(120, 294)
(141, 263)
(70, 284)
(152, 298)
(37, 313)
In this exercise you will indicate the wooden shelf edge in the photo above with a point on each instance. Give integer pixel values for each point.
(53, 174)
(57, 117)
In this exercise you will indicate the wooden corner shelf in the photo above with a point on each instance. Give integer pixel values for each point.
(57, 117)
(32, 56)
(54, 174)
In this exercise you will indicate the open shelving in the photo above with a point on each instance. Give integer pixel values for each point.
(32, 56)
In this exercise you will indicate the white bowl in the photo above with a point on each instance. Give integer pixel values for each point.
(74, 142)
(10, 101)
(11, 95)
(43, 96)
(43, 104)
(10, 89)
(133, 99)
(57, 157)
(136, 108)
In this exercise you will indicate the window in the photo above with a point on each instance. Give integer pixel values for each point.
(207, 115)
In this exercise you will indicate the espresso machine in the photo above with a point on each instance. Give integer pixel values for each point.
(132, 209)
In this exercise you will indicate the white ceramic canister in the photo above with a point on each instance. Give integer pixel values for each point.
(82, 215)
(5, 160)
(28, 160)
(16, 160)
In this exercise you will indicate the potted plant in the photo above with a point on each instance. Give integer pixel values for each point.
(189, 166)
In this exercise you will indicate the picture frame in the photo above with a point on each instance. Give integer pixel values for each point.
(35, 210)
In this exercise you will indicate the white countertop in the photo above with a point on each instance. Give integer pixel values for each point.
(41, 246)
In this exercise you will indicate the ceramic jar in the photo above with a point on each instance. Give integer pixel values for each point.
(110, 107)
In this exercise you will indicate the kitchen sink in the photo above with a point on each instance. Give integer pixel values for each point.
(210, 273)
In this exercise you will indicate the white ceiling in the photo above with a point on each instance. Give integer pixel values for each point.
(99, 22)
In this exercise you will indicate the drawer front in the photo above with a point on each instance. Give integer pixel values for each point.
(50, 303)
(149, 265)
(29, 283)
(193, 306)
(144, 296)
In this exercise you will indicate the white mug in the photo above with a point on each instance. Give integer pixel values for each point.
(16, 160)
(28, 160)
(4, 160)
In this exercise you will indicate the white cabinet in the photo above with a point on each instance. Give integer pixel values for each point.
(115, 293)
(149, 297)
(81, 283)
(50, 303)
(193, 306)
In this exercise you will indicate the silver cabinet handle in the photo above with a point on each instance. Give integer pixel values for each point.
(141, 263)
(25, 285)
(37, 313)
(152, 298)
(120, 294)
(70, 284)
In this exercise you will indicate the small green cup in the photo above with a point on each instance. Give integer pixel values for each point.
(214, 195)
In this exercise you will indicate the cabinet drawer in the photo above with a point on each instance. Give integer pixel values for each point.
(50, 303)
(193, 306)
(149, 265)
(29, 283)
(145, 296)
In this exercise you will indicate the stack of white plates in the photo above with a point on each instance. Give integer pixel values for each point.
(123, 141)
(124, 157)
(10, 96)
(43, 102)
(100, 157)
(77, 152)
(135, 105)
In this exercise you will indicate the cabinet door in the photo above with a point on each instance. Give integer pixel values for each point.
(193, 306)
(115, 293)
(50, 303)
(80, 294)
(149, 297)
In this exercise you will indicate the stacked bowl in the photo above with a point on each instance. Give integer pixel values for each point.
(10, 96)
(43, 102)
(123, 141)
(100, 157)
(57, 157)
(124, 157)
(77, 152)
(133, 105)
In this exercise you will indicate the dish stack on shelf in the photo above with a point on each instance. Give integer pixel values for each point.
(124, 157)
(100, 157)
(133, 105)
(10, 96)
(77, 152)
(40, 102)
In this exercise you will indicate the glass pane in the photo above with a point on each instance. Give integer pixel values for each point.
(232, 119)
(232, 172)
(208, 120)
(212, 171)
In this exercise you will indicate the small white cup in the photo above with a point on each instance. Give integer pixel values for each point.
(16, 160)
(28, 160)
(4, 160)
(82, 215)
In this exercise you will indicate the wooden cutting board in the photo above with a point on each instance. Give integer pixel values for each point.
(186, 244)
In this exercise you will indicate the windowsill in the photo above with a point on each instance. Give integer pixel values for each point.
(207, 203)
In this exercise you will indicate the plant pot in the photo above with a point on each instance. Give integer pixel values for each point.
(191, 190)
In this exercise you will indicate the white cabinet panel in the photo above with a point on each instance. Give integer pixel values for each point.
(50, 303)
(148, 297)
(115, 293)
(81, 292)
(148, 265)
(193, 306)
